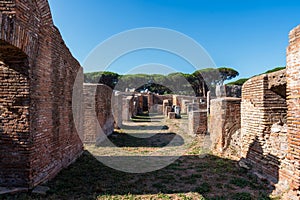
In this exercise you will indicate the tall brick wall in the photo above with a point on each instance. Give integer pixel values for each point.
(14, 122)
(293, 102)
(34, 55)
(262, 108)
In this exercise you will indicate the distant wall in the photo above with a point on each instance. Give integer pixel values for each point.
(98, 113)
(229, 91)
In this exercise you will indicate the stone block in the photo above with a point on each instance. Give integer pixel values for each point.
(197, 122)
(171, 115)
(167, 110)
(160, 109)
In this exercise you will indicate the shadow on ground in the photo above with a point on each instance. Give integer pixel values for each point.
(211, 176)
(148, 140)
(147, 118)
(141, 127)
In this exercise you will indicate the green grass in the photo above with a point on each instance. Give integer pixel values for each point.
(242, 196)
(203, 188)
(240, 182)
(192, 176)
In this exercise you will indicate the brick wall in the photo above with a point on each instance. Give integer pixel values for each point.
(14, 122)
(263, 108)
(225, 124)
(293, 102)
(45, 139)
(127, 107)
(98, 114)
(197, 122)
(117, 109)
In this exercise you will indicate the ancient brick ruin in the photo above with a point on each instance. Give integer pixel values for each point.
(39, 137)
(265, 134)
(293, 114)
(262, 127)
(37, 133)
(224, 125)
(98, 116)
(263, 122)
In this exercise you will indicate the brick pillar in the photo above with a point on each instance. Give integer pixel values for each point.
(150, 103)
(225, 120)
(167, 110)
(197, 122)
(184, 106)
(165, 104)
(117, 101)
(160, 109)
(208, 101)
(192, 107)
(127, 108)
(293, 102)
(140, 104)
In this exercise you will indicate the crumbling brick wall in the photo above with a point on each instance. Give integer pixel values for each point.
(39, 72)
(98, 113)
(263, 107)
(225, 125)
(293, 101)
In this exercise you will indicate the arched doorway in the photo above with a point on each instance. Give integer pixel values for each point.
(14, 116)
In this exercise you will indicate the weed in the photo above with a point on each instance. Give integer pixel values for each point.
(203, 188)
(240, 182)
(163, 196)
(242, 196)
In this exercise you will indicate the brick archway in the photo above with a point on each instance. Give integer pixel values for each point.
(33, 52)
(14, 115)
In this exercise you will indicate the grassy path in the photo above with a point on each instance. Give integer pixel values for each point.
(191, 176)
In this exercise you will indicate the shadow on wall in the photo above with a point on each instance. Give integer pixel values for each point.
(264, 166)
(14, 116)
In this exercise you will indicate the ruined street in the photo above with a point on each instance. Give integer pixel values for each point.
(196, 174)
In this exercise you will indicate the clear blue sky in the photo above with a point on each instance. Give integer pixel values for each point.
(248, 35)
